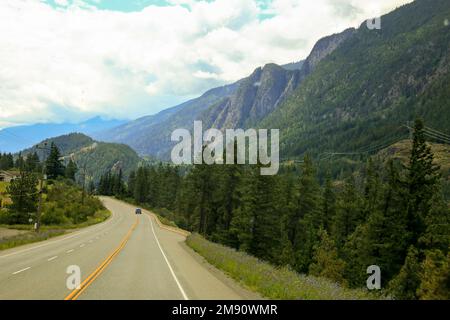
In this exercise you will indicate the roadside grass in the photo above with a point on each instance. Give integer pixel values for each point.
(27, 238)
(47, 231)
(278, 283)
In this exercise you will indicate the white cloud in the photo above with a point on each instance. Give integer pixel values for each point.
(63, 3)
(77, 60)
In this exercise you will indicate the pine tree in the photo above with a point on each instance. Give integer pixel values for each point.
(141, 185)
(435, 277)
(53, 164)
(24, 198)
(257, 223)
(71, 170)
(423, 177)
(349, 213)
(228, 199)
(437, 223)
(328, 204)
(32, 162)
(20, 162)
(325, 262)
(308, 217)
(118, 187)
(131, 184)
(372, 190)
(405, 285)
(6, 161)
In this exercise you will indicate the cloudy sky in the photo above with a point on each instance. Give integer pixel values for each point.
(69, 60)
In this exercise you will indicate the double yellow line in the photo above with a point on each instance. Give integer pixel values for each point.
(91, 278)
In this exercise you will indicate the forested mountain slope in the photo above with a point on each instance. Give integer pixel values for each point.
(96, 157)
(373, 83)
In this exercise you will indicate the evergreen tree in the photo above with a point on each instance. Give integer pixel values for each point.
(118, 187)
(131, 184)
(435, 277)
(228, 199)
(32, 163)
(405, 285)
(308, 217)
(423, 177)
(349, 213)
(53, 164)
(20, 162)
(326, 262)
(328, 204)
(437, 224)
(257, 223)
(141, 185)
(24, 198)
(372, 190)
(71, 170)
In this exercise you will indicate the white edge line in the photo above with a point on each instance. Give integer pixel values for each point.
(24, 269)
(167, 261)
(56, 241)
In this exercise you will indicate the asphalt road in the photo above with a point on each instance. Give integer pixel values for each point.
(140, 261)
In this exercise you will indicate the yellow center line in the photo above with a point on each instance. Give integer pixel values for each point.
(91, 278)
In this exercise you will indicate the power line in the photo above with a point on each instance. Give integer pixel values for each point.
(436, 136)
(438, 132)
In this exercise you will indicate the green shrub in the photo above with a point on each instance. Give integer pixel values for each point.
(52, 215)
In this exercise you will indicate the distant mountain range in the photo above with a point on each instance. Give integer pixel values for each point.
(17, 138)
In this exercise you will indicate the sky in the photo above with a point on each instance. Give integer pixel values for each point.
(70, 60)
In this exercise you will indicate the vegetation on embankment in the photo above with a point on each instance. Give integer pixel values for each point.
(274, 283)
(47, 231)
(64, 204)
(27, 238)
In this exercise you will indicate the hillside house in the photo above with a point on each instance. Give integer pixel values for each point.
(8, 176)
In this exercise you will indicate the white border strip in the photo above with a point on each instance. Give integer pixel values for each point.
(167, 261)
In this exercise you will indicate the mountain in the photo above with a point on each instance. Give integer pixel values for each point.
(294, 65)
(268, 87)
(362, 94)
(239, 105)
(256, 96)
(17, 138)
(151, 135)
(97, 157)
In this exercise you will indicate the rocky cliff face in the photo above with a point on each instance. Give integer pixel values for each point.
(323, 48)
(257, 96)
(264, 90)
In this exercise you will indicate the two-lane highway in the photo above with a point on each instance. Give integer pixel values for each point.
(127, 257)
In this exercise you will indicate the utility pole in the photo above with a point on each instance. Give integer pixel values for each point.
(39, 210)
(409, 125)
(84, 184)
(41, 187)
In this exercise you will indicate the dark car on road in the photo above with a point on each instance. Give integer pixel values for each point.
(138, 211)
